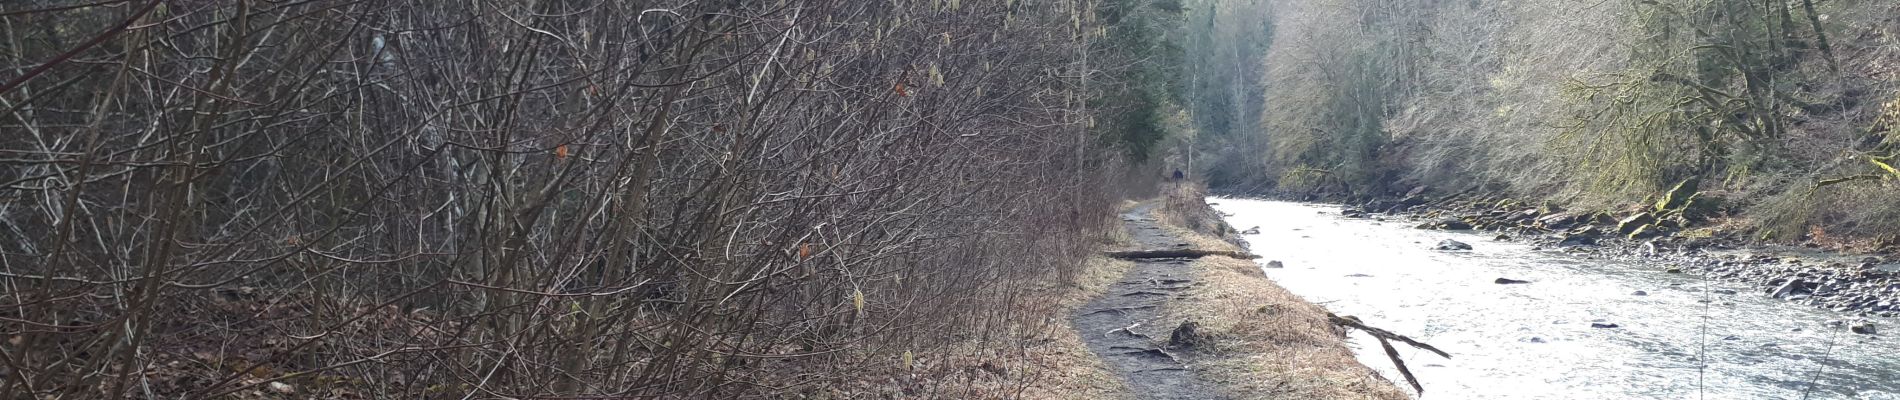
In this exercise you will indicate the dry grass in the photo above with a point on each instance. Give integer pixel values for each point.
(1050, 363)
(1076, 372)
(1198, 240)
(1270, 344)
(1185, 214)
(1042, 357)
(1267, 344)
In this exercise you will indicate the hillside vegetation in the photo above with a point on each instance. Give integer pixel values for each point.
(558, 199)
(1787, 111)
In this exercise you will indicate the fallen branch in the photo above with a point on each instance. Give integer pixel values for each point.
(1178, 253)
(1117, 310)
(1385, 337)
(1144, 293)
(1130, 330)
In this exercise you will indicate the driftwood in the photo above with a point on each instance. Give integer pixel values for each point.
(1130, 330)
(1385, 340)
(1178, 253)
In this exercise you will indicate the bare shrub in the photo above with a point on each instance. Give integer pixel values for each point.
(413, 199)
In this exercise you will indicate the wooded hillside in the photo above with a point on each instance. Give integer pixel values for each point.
(1787, 110)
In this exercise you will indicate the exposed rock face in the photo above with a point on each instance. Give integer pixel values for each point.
(1412, 200)
(1633, 222)
(1562, 220)
(1647, 231)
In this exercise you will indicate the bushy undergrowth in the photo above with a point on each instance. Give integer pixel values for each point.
(556, 199)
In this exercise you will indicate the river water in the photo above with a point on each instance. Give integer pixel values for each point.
(1535, 341)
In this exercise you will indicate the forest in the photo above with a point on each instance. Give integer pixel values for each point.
(1786, 112)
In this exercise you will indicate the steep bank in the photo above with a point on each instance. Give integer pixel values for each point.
(1251, 339)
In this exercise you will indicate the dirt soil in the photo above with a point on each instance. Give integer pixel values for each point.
(1112, 324)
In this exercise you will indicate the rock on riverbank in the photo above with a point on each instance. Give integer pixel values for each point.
(1677, 236)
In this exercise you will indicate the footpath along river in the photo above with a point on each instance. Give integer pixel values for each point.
(1676, 336)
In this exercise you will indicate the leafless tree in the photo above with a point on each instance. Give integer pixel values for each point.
(455, 199)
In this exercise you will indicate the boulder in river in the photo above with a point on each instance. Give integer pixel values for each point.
(1251, 231)
(1792, 288)
(1450, 245)
(1639, 293)
(1604, 325)
(1275, 264)
(1509, 281)
(1863, 327)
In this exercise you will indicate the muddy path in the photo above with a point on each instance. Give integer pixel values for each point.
(1123, 325)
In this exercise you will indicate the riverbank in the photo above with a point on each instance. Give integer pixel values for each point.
(1565, 325)
(1681, 236)
(1216, 327)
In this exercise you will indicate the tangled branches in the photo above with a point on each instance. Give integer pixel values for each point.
(405, 199)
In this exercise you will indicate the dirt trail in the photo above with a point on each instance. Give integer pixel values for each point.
(1139, 354)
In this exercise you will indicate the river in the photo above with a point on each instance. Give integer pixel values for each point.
(1536, 340)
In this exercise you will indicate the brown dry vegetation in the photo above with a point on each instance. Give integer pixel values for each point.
(521, 199)
(1269, 343)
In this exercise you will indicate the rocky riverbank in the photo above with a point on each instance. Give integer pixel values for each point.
(1677, 236)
